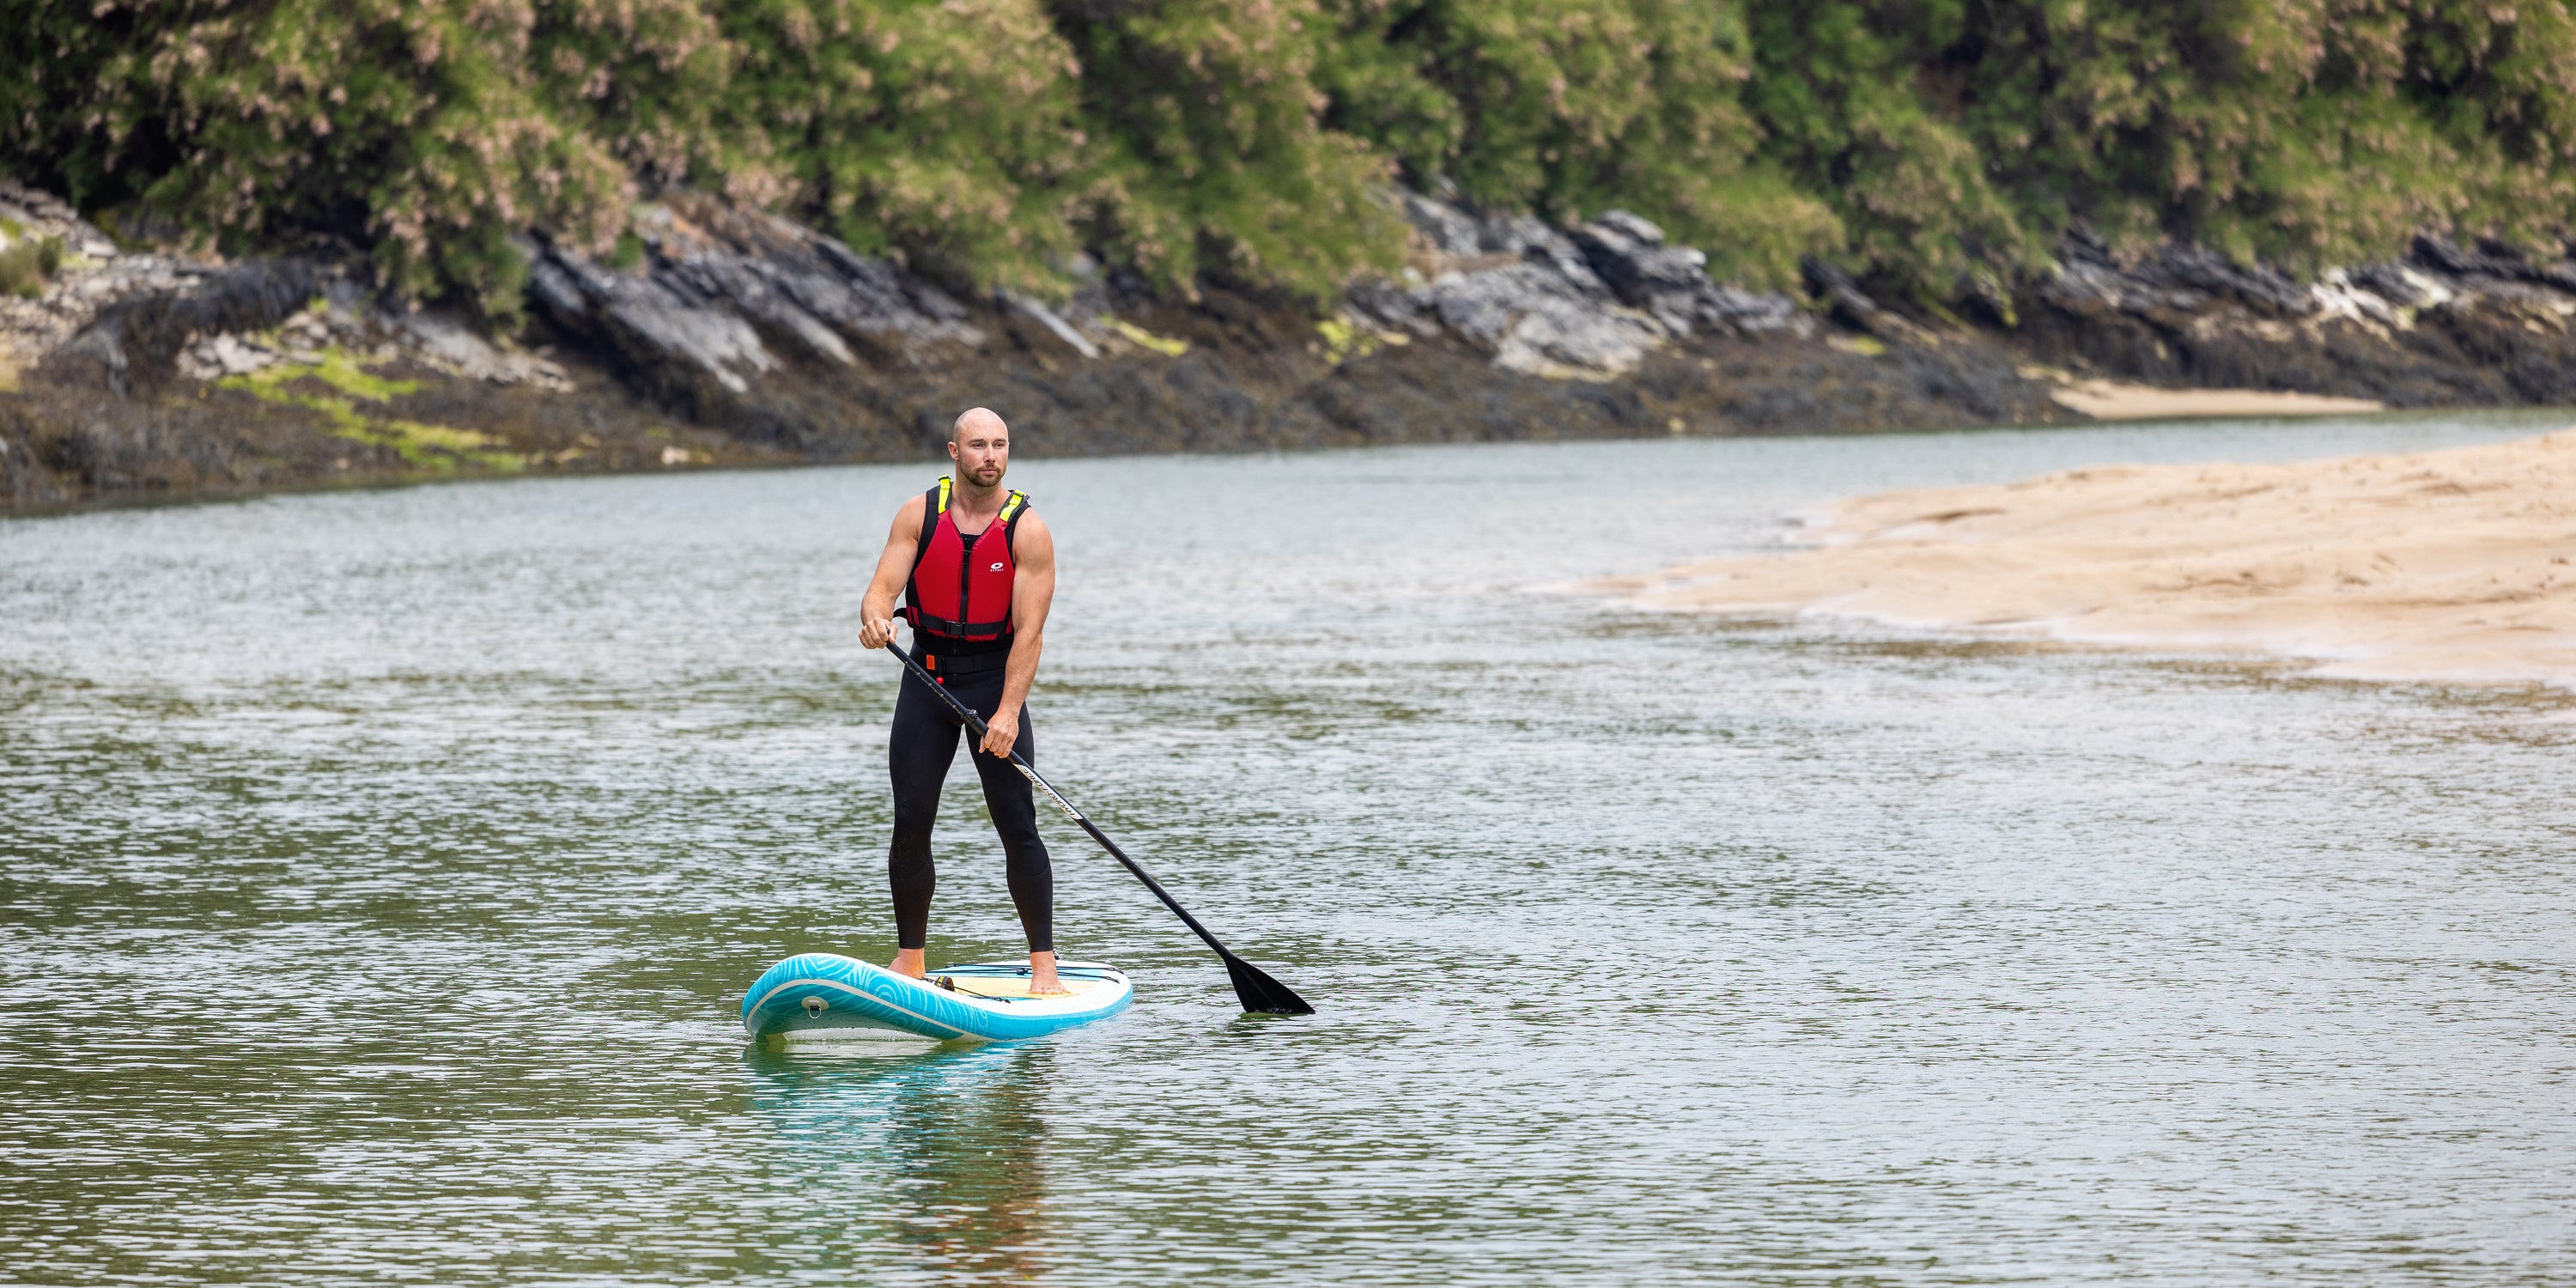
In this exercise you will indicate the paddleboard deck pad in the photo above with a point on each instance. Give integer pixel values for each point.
(826, 997)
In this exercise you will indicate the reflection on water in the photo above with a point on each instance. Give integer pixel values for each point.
(910, 1163)
(379, 874)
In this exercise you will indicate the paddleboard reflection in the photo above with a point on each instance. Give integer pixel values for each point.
(915, 1163)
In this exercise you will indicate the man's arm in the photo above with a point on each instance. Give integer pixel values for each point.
(1032, 593)
(894, 568)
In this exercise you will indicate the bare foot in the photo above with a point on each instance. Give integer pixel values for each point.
(1042, 980)
(908, 962)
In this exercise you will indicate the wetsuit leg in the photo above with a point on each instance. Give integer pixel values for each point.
(918, 753)
(1013, 804)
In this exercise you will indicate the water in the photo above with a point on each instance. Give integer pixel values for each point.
(382, 871)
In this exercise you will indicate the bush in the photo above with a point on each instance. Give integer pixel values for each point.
(1571, 107)
(27, 262)
(1952, 137)
(1213, 150)
(1935, 143)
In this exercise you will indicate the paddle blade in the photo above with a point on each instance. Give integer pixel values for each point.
(1261, 994)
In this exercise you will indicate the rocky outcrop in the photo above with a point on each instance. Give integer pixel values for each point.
(129, 322)
(134, 343)
(1671, 283)
(725, 299)
(2446, 325)
(206, 324)
(1590, 304)
(93, 275)
(736, 337)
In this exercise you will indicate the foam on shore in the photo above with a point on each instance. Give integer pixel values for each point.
(2456, 565)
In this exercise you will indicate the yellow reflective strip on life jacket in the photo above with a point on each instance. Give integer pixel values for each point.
(944, 484)
(1012, 506)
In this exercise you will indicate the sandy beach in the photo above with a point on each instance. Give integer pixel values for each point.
(2118, 400)
(2456, 565)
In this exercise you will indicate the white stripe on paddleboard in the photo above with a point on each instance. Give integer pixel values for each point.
(954, 1031)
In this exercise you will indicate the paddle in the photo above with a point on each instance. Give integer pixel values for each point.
(1257, 991)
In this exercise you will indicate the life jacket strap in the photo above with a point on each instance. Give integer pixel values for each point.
(1011, 504)
(936, 625)
(955, 646)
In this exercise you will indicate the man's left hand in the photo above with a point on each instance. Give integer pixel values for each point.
(1001, 733)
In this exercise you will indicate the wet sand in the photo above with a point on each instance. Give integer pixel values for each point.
(2456, 565)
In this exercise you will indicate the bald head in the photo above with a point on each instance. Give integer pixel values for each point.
(980, 444)
(975, 419)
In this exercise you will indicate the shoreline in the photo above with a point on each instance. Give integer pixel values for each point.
(2455, 566)
(144, 374)
(640, 463)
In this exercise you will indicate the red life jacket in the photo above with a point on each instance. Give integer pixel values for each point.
(954, 596)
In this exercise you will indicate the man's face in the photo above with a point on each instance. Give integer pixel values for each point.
(982, 452)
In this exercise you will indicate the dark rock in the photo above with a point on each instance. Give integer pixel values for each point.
(2176, 278)
(742, 339)
(1590, 305)
(2399, 285)
(1671, 283)
(729, 301)
(2437, 251)
(2447, 325)
(1840, 294)
(1393, 308)
(1628, 254)
(1449, 230)
(1846, 304)
(132, 344)
(1510, 234)
(675, 344)
(2492, 263)
(1532, 317)
(2199, 268)
(1038, 312)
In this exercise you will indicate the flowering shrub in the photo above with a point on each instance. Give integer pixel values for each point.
(1939, 143)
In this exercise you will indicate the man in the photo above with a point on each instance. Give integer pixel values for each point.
(977, 571)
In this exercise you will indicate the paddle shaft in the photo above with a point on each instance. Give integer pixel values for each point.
(1282, 1000)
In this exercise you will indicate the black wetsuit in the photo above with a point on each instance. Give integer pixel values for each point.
(923, 746)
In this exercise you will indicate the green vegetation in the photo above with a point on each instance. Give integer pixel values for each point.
(435, 447)
(1571, 107)
(1343, 341)
(1139, 336)
(25, 262)
(1941, 144)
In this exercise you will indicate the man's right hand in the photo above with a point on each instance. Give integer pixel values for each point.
(876, 632)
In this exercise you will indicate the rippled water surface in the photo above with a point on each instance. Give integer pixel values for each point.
(382, 871)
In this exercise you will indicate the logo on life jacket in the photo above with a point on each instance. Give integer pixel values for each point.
(949, 596)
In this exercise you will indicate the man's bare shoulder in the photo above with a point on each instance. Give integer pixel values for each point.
(1029, 534)
(907, 516)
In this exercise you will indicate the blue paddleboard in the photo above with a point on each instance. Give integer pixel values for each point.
(824, 996)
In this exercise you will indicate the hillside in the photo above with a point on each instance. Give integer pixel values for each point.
(1938, 149)
(275, 244)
